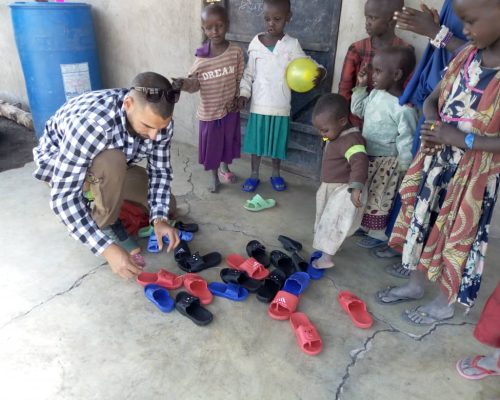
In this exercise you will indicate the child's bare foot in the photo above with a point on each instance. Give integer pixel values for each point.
(325, 261)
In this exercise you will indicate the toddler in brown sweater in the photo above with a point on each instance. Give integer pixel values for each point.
(340, 198)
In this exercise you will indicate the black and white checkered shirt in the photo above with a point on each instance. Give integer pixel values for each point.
(80, 130)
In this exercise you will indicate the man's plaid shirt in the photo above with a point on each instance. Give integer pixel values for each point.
(80, 130)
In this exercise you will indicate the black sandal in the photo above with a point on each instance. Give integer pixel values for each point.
(300, 264)
(290, 244)
(283, 262)
(190, 307)
(197, 263)
(257, 250)
(272, 285)
(229, 275)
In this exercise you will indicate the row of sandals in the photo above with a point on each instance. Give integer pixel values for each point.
(282, 287)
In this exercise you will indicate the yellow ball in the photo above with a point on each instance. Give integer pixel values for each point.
(300, 74)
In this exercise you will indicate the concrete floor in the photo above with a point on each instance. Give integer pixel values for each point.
(70, 329)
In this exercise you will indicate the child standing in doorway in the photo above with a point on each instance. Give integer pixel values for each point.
(268, 126)
(380, 27)
(388, 129)
(216, 74)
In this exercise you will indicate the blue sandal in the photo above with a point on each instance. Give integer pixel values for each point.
(250, 185)
(278, 183)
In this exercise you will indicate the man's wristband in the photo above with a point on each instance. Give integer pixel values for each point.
(469, 140)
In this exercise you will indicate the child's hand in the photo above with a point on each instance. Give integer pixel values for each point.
(320, 76)
(356, 198)
(425, 22)
(177, 83)
(363, 77)
(242, 102)
(440, 133)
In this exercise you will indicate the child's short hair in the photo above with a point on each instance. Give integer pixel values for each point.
(404, 58)
(215, 9)
(332, 103)
(389, 6)
(279, 3)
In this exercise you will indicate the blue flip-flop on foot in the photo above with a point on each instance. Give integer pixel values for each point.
(250, 185)
(297, 283)
(315, 273)
(160, 297)
(278, 183)
(229, 291)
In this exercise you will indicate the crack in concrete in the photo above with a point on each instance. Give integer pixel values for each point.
(367, 345)
(73, 286)
(358, 354)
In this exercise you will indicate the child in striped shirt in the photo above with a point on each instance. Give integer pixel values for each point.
(216, 74)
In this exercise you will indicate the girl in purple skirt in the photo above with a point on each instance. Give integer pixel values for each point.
(216, 74)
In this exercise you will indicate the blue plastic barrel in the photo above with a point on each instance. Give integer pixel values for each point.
(58, 52)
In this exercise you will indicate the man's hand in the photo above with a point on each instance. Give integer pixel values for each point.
(362, 77)
(425, 22)
(121, 262)
(356, 198)
(161, 229)
(242, 102)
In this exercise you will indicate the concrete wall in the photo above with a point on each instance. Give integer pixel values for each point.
(159, 35)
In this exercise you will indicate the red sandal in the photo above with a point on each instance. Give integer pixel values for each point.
(306, 333)
(283, 305)
(161, 278)
(251, 266)
(356, 309)
(197, 286)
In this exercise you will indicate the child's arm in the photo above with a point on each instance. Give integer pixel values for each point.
(247, 78)
(189, 84)
(407, 124)
(348, 76)
(360, 96)
(355, 154)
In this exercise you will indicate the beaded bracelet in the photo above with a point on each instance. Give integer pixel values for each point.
(442, 38)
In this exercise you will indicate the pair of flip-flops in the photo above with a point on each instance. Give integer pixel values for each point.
(283, 307)
(277, 182)
(156, 285)
(189, 262)
(258, 203)
(153, 246)
(294, 247)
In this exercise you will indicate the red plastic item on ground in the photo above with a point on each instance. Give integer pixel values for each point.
(356, 309)
(161, 278)
(283, 305)
(133, 217)
(197, 286)
(251, 266)
(306, 333)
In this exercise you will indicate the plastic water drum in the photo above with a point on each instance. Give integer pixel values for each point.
(58, 52)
